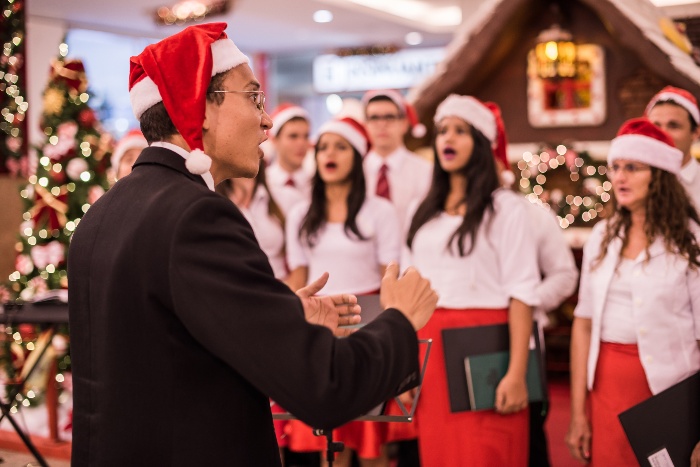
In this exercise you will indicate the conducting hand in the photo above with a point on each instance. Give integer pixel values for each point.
(695, 456)
(411, 294)
(330, 311)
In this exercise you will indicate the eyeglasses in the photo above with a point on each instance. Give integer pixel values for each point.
(628, 169)
(258, 97)
(389, 118)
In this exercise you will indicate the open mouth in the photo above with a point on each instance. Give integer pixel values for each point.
(449, 153)
(331, 166)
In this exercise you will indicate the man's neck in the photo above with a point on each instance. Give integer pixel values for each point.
(385, 152)
(686, 159)
(287, 166)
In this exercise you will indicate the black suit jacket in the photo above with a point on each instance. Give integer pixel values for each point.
(180, 332)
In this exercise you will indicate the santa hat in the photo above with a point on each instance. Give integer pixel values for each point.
(677, 96)
(351, 130)
(284, 113)
(177, 71)
(417, 128)
(132, 140)
(642, 141)
(484, 116)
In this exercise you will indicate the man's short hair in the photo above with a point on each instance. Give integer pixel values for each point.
(382, 98)
(156, 124)
(693, 123)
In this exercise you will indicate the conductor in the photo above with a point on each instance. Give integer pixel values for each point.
(179, 331)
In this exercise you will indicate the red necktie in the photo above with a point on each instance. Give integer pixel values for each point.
(383, 183)
(290, 182)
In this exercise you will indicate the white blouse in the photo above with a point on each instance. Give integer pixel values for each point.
(502, 265)
(353, 264)
(618, 313)
(666, 307)
(268, 231)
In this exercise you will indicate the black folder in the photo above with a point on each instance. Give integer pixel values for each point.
(459, 343)
(668, 421)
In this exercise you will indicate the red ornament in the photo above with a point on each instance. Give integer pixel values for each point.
(87, 118)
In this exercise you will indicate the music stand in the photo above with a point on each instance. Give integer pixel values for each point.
(370, 310)
(50, 314)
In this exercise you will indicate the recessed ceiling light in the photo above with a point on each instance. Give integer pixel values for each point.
(323, 16)
(414, 38)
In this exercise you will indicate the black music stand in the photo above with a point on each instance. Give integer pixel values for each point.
(333, 447)
(51, 314)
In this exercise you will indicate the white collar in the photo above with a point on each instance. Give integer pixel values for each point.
(279, 176)
(208, 179)
(690, 170)
(393, 160)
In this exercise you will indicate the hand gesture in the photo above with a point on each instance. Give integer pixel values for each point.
(411, 294)
(330, 311)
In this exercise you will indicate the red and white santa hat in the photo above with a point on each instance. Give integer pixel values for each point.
(484, 116)
(417, 128)
(284, 113)
(351, 130)
(642, 141)
(677, 96)
(132, 140)
(177, 71)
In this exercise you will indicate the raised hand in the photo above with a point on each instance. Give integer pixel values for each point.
(330, 311)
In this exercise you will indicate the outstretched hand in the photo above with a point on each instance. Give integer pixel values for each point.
(330, 311)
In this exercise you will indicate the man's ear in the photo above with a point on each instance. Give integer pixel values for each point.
(206, 124)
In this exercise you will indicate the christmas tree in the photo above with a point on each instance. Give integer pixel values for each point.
(70, 176)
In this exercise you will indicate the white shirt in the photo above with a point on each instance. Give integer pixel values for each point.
(555, 260)
(287, 196)
(690, 179)
(666, 307)
(207, 177)
(353, 264)
(409, 177)
(617, 323)
(268, 231)
(502, 265)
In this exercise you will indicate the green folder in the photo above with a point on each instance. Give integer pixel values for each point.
(485, 371)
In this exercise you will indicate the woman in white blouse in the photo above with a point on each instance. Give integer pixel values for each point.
(470, 239)
(353, 238)
(636, 330)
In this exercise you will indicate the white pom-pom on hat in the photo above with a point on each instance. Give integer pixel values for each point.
(198, 163)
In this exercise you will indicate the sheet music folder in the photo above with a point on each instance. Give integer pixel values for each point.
(371, 309)
(460, 343)
(668, 421)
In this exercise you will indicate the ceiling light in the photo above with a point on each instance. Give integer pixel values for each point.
(414, 38)
(672, 2)
(323, 16)
(190, 10)
(420, 12)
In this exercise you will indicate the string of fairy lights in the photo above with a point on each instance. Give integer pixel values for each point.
(580, 207)
(13, 106)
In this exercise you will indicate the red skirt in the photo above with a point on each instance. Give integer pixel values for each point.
(279, 425)
(484, 438)
(620, 383)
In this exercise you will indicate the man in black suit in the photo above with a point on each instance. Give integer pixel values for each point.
(179, 330)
